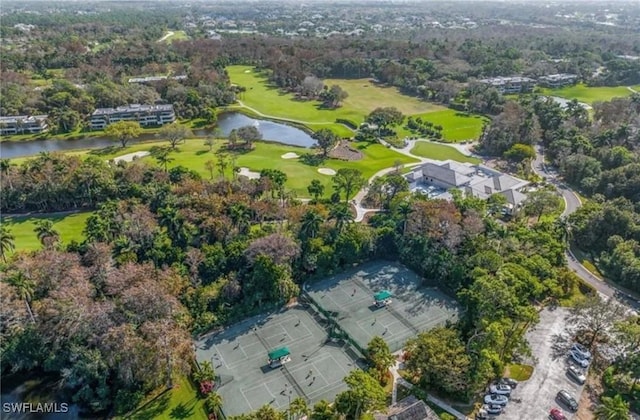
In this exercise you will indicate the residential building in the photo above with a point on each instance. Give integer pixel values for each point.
(516, 84)
(23, 124)
(146, 115)
(473, 180)
(409, 408)
(558, 80)
(155, 79)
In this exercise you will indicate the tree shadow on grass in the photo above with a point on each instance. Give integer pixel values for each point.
(154, 408)
(203, 152)
(105, 151)
(181, 411)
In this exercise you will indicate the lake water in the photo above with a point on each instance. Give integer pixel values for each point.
(270, 130)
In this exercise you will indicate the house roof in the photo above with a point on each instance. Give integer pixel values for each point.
(513, 197)
(409, 408)
(450, 173)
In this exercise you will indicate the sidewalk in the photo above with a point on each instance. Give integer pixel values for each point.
(399, 380)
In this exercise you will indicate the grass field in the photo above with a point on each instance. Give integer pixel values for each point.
(176, 36)
(441, 152)
(364, 97)
(69, 226)
(589, 95)
(193, 154)
(180, 402)
(456, 126)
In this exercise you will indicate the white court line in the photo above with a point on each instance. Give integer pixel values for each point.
(219, 354)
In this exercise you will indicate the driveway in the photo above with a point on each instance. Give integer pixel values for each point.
(538, 394)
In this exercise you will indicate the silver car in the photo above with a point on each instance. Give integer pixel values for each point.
(495, 399)
(581, 350)
(576, 374)
(500, 389)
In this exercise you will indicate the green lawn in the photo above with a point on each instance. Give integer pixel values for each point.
(180, 402)
(193, 154)
(177, 36)
(269, 100)
(441, 152)
(589, 95)
(519, 372)
(69, 226)
(456, 126)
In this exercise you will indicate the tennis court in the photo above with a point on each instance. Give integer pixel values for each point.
(239, 357)
(349, 297)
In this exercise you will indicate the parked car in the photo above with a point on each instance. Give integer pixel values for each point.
(579, 360)
(508, 381)
(566, 398)
(482, 415)
(500, 389)
(496, 399)
(577, 374)
(556, 414)
(581, 350)
(493, 408)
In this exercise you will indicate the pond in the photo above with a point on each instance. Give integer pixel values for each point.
(20, 389)
(270, 130)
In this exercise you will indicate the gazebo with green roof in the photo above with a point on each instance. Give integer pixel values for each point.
(382, 298)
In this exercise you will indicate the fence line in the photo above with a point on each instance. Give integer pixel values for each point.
(294, 383)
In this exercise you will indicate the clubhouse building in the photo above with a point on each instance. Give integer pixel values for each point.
(146, 115)
(473, 180)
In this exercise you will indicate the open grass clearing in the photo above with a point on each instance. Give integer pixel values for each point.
(180, 402)
(518, 372)
(441, 152)
(68, 225)
(456, 126)
(364, 97)
(589, 94)
(171, 36)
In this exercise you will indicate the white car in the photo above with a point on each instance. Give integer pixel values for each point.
(578, 359)
(500, 389)
(581, 350)
(495, 399)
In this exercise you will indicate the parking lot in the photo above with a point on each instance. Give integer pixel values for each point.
(538, 394)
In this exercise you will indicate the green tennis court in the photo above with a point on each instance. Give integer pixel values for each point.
(241, 356)
(352, 296)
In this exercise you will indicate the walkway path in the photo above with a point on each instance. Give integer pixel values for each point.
(406, 150)
(632, 89)
(167, 35)
(272, 117)
(399, 380)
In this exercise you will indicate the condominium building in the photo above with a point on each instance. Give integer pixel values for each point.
(23, 124)
(558, 80)
(516, 84)
(151, 79)
(146, 115)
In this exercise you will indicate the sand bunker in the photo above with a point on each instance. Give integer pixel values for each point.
(130, 156)
(290, 155)
(326, 171)
(249, 173)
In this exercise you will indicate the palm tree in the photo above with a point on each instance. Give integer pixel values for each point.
(213, 404)
(322, 411)
(310, 224)
(341, 213)
(404, 210)
(24, 288)
(298, 408)
(163, 158)
(47, 235)
(613, 408)
(6, 242)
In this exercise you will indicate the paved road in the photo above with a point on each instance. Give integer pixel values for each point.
(572, 204)
(537, 394)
